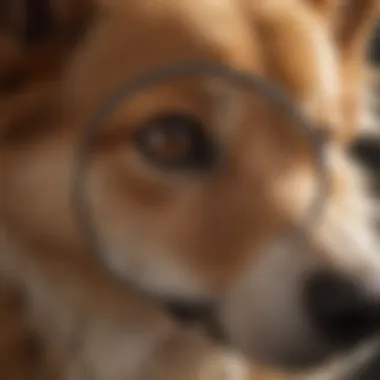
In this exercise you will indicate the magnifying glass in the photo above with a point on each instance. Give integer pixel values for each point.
(165, 75)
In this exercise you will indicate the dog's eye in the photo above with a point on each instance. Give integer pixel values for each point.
(176, 141)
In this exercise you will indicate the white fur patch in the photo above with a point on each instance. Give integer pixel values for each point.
(159, 275)
(227, 366)
(328, 65)
(325, 101)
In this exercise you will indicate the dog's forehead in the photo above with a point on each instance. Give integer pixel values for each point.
(289, 48)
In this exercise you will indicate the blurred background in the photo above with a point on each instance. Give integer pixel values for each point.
(367, 150)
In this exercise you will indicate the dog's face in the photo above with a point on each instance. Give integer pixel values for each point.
(196, 185)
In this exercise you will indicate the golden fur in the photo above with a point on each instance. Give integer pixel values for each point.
(196, 238)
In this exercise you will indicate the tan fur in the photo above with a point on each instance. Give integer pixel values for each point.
(210, 231)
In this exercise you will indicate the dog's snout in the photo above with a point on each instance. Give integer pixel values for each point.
(340, 310)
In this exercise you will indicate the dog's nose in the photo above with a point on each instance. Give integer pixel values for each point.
(339, 310)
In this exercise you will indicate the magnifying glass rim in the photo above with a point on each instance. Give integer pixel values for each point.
(163, 75)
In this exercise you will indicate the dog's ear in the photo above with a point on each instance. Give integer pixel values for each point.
(351, 21)
(351, 24)
(32, 22)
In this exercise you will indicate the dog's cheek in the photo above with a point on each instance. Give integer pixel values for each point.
(37, 192)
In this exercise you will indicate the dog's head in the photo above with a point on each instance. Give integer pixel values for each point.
(195, 185)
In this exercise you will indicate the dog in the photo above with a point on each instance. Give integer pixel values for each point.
(196, 188)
